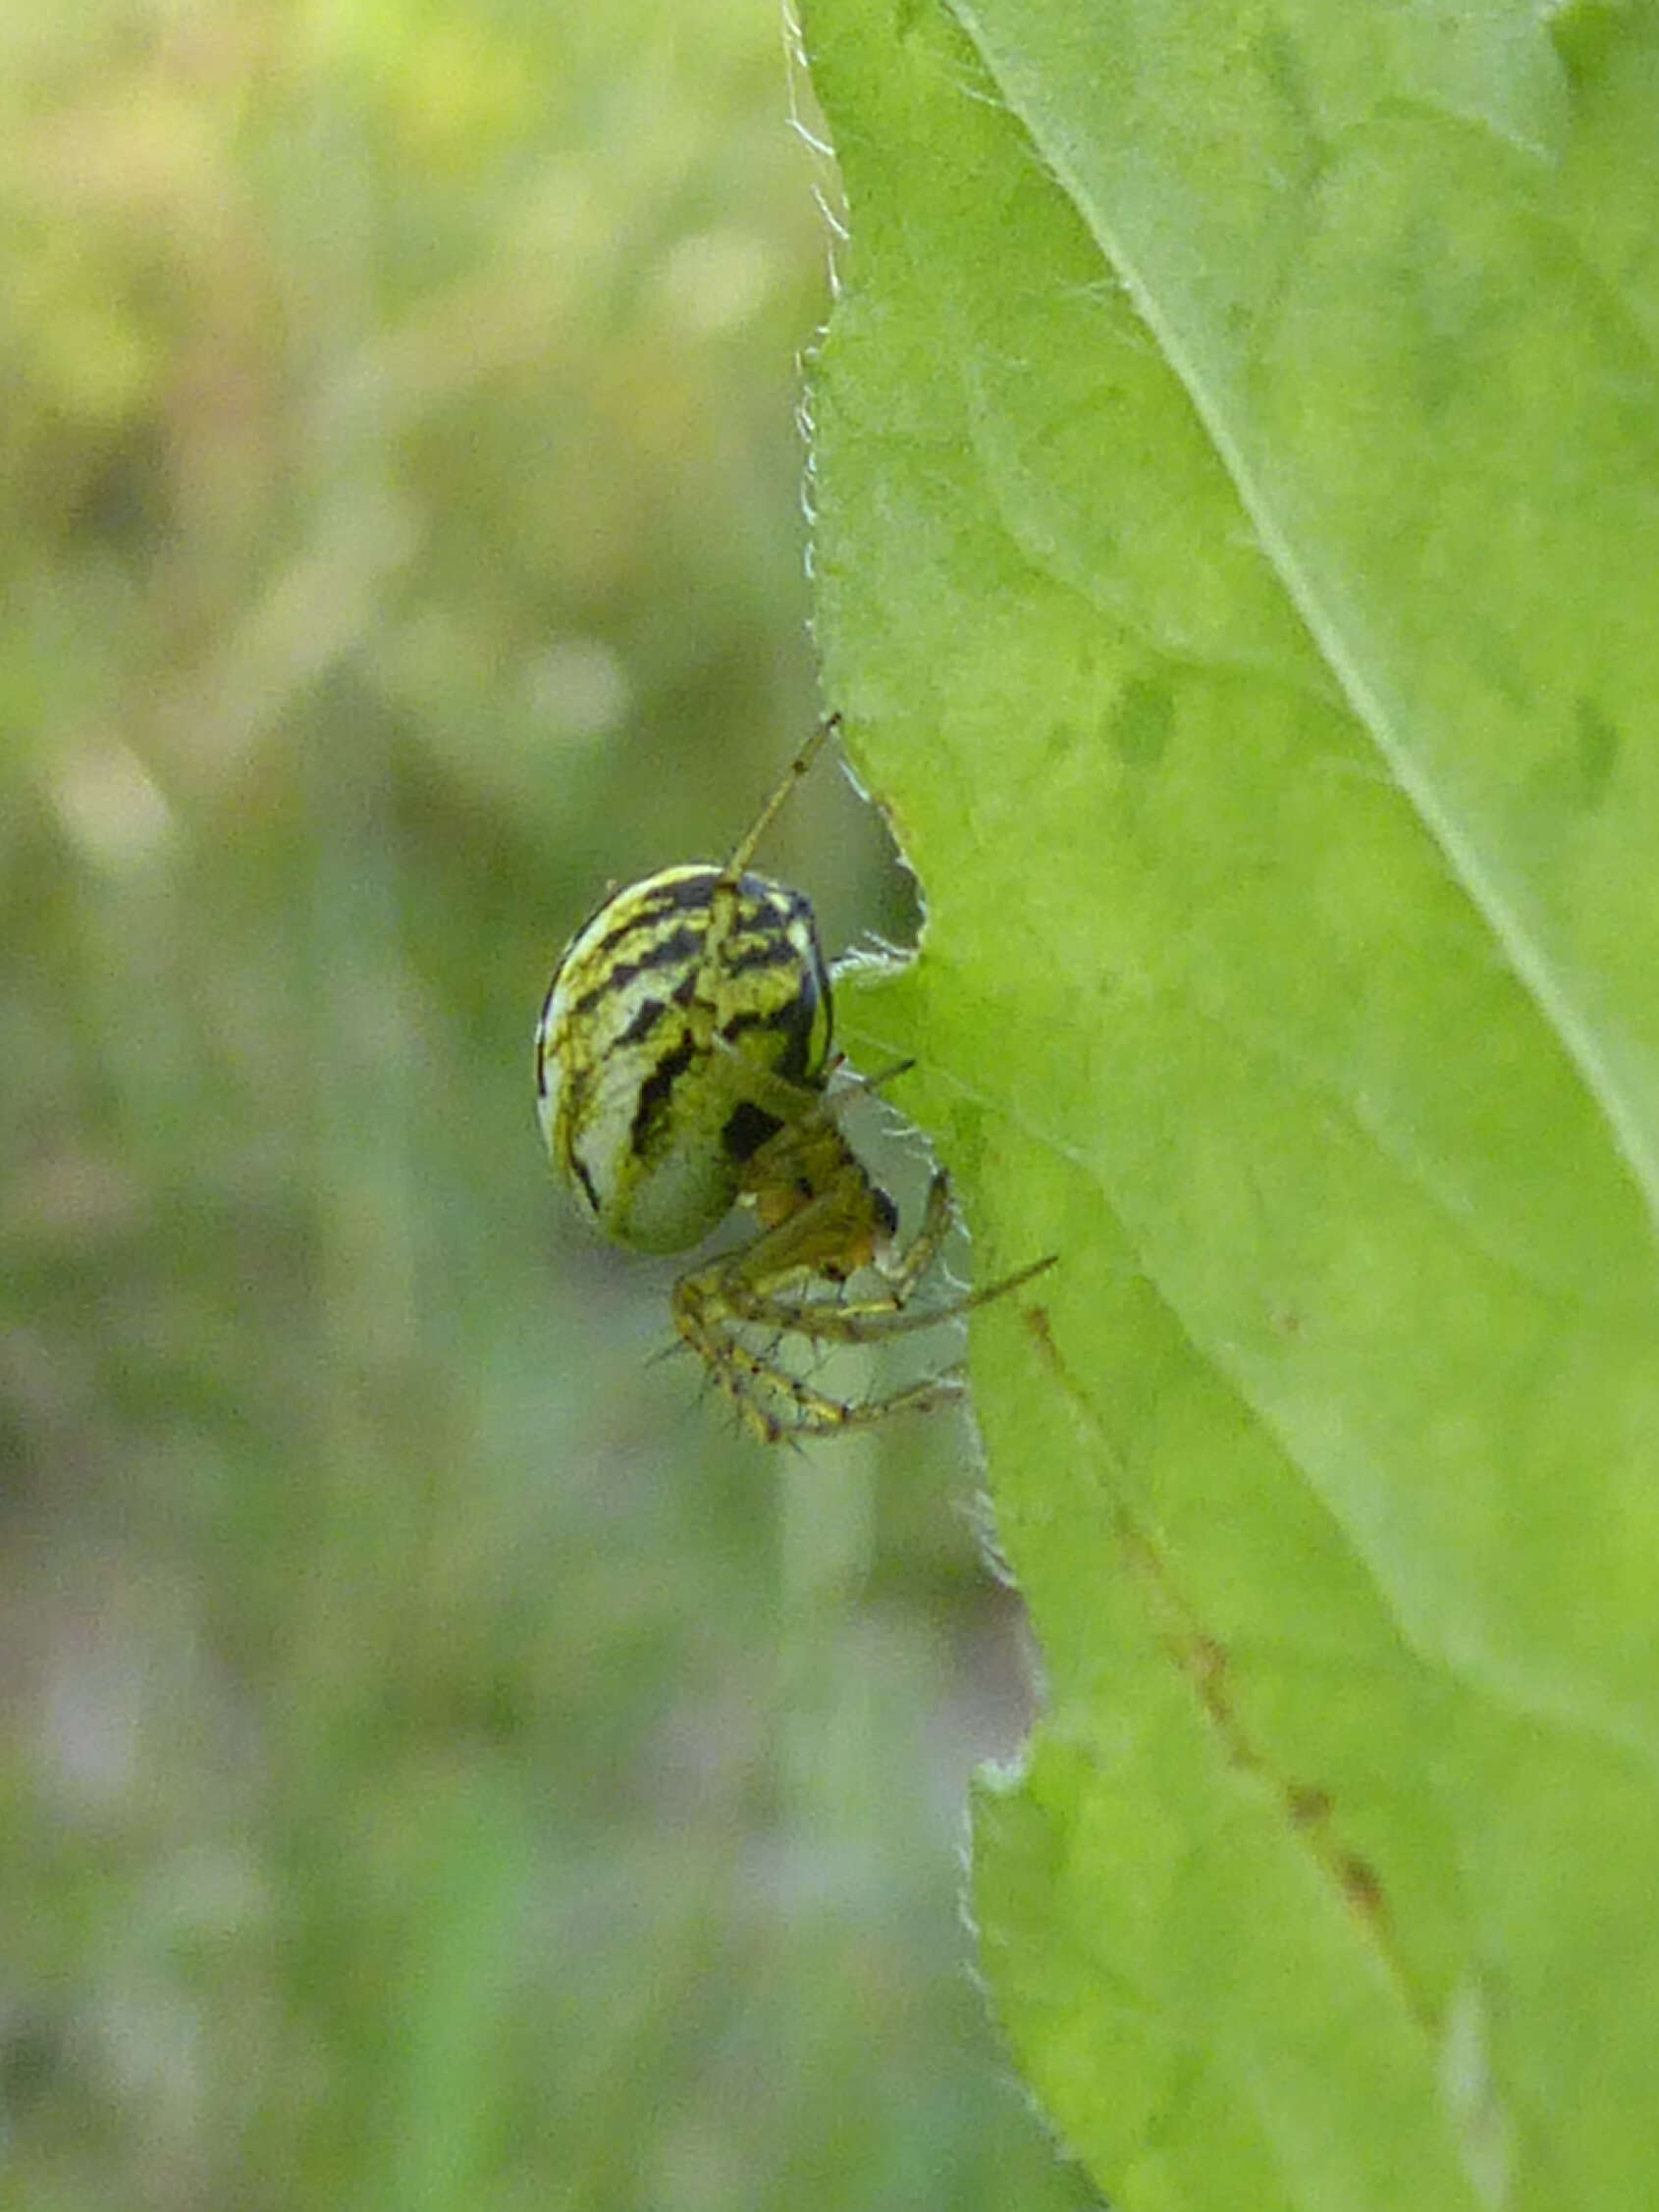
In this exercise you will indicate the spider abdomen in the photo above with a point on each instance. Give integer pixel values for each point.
(682, 1014)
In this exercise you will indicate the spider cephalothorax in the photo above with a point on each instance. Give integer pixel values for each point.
(683, 1065)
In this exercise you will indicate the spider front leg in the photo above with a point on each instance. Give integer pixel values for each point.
(805, 1245)
(710, 1310)
(766, 1286)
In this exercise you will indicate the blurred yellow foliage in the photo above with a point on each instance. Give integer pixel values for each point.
(412, 1745)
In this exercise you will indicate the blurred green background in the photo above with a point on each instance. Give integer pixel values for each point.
(440, 1766)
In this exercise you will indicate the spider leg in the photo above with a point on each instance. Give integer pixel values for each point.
(774, 1405)
(880, 1080)
(829, 1416)
(744, 851)
(763, 1086)
(751, 1286)
(861, 1320)
(905, 1270)
(750, 1281)
(917, 1260)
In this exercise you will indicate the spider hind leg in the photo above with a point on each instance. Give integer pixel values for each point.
(829, 1221)
(775, 1405)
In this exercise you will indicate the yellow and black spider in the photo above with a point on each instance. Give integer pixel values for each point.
(683, 1065)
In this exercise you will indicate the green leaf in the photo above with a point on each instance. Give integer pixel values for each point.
(1237, 447)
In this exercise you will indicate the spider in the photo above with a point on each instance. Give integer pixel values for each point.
(683, 1065)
